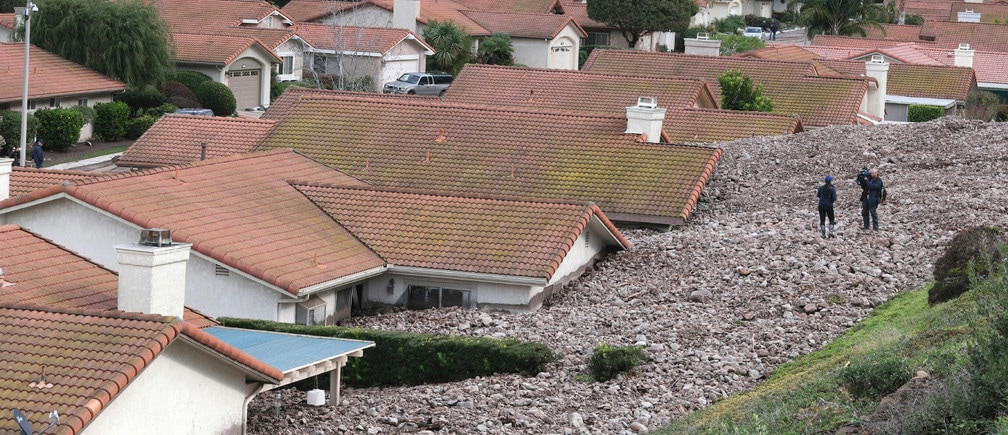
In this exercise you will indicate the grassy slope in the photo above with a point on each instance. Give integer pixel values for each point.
(803, 396)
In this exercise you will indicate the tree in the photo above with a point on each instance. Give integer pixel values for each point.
(738, 93)
(635, 18)
(841, 17)
(496, 50)
(125, 39)
(735, 44)
(452, 46)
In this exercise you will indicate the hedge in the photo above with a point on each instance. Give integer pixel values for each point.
(60, 128)
(401, 358)
(110, 120)
(924, 113)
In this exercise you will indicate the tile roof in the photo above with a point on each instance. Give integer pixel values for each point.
(440, 10)
(537, 26)
(78, 361)
(214, 49)
(286, 101)
(923, 81)
(8, 20)
(520, 6)
(356, 39)
(239, 211)
(176, 139)
(792, 86)
(597, 93)
(980, 36)
(49, 75)
(989, 12)
(435, 145)
(988, 65)
(930, 10)
(449, 232)
(579, 11)
(40, 272)
(304, 11)
(571, 91)
(27, 180)
(782, 52)
(210, 16)
(270, 38)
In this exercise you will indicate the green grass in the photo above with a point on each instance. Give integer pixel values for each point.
(60, 159)
(805, 396)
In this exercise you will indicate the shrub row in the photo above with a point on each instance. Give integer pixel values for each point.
(924, 113)
(401, 358)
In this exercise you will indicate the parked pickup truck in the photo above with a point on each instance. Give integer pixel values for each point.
(419, 83)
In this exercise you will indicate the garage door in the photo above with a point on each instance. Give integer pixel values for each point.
(395, 68)
(244, 84)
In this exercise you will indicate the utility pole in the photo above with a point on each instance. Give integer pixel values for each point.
(24, 95)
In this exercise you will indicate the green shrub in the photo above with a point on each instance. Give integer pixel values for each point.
(924, 113)
(140, 100)
(217, 97)
(729, 24)
(137, 126)
(10, 128)
(278, 88)
(982, 105)
(190, 79)
(964, 255)
(110, 120)
(874, 375)
(156, 112)
(608, 361)
(60, 127)
(400, 358)
(88, 113)
(988, 353)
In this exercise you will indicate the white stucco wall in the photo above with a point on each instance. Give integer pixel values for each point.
(588, 246)
(533, 53)
(183, 391)
(482, 293)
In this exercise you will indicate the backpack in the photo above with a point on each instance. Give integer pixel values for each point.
(882, 195)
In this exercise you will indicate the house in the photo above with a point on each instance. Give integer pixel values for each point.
(53, 82)
(981, 36)
(692, 114)
(369, 55)
(796, 88)
(261, 249)
(958, 10)
(540, 39)
(616, 161)
(49, 277)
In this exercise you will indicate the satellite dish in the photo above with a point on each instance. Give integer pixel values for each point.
(22, 422)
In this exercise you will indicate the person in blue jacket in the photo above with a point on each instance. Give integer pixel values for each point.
(827, 196)
(37, 155)
(871, 196)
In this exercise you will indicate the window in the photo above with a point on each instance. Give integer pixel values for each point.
(31, 105)
(82, 102)
(423, 297)
(287, 67)
(596, 39)
(319, 63)
(54, 102)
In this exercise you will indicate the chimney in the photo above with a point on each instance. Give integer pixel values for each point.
(963, 55)
(647, 118)
(6, 166)
(152, 274)
(405, 14)
(702, 45)
(878, 69)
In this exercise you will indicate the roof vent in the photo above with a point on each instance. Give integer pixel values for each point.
(703, 35)
(647, 102)
(155, 237)
(877, 58)
(964, 46)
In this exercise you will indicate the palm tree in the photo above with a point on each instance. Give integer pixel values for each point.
(840, 17)
(452, 46)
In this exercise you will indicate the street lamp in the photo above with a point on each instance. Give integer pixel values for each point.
(29, 8)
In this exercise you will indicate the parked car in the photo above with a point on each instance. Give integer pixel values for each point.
(755, 32)
(198, 112)
(419, 83)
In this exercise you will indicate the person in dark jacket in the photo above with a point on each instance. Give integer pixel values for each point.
(827, 196)
(871, 196)
(37, 155)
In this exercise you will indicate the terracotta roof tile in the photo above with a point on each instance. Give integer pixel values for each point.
(529, 238)
(48, 76)
(596, 93)
(356, 39)
(579, 11)
(989, 12)
(792, 86)
(303, 11)
(24, 181)
(241, 212)
(435, 145)
(270, 38)
(520, 6)
(898, 32)
(980, 36)
(540, 26)
(286, 101)
(782, 52)
(923, 81)
(209, 16)
(215, 49)
(928, 9)
(176, 139)
(988, 65)
(439, 10)
(31, 263)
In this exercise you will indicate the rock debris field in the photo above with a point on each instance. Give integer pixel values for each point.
(746, 285)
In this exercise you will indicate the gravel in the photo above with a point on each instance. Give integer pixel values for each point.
(746, 285)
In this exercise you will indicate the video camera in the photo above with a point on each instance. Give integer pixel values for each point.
(863, 175)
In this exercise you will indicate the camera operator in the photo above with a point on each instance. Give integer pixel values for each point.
(871, 196)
